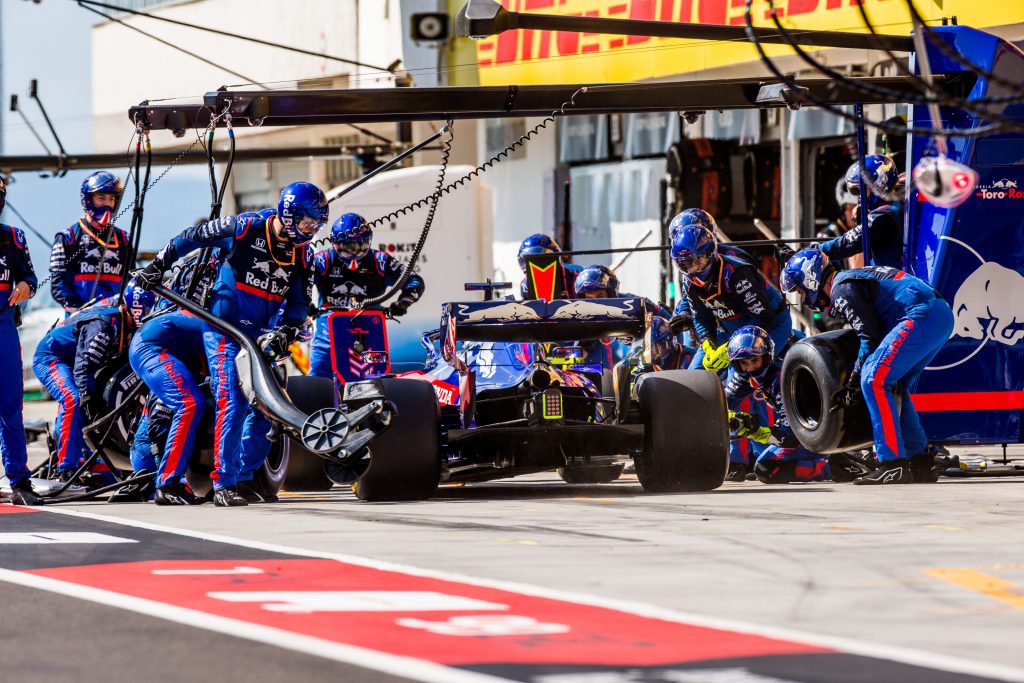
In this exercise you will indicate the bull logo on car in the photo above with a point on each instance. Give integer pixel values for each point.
(510, 312)
(988, 306)
(587, 310)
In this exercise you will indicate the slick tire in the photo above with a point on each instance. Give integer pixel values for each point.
(815, 367)
(686, 432)
(405, 460)
(306, 471)
(591, 474)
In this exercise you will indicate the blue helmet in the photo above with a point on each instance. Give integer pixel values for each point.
(138, 301)
(351, 235)
(101, 182)
(537, 243)
(595, 279)
(750, 341)
(692, 217)
(881, 172)
(805, 273)
(663, 345)
(695, 251)
(303, 211)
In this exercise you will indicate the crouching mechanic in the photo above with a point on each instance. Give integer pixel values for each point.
(539, 243)
(265, 278)
(349, 273)
(755, 370)
(17, 284)
(902, 323)
(66, 361)
(88, 259)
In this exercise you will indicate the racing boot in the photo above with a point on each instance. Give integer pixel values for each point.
(845, 467)
(22, 493)
(228, 498)
(738, 471)
(134, 491)
(177, 493)
(922, 466)
(888, 472)
(253, 492)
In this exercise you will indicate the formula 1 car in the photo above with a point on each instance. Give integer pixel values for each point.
(497, 401)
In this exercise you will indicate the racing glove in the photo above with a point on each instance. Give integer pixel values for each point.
(150, 276)
(742, 424)
(399, 308)
(681, 323)
(784, 252)
(275, 344)
(715, 359)
(847, 395)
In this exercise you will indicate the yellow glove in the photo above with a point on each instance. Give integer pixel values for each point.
(715, 359)
(761, 435)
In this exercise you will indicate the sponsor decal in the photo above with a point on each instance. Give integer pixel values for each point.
(1005, 188)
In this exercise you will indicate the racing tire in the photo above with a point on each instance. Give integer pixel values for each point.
(591, 474)
(405, 459)
(814, 368)
(270, 476)
(305, 470)
(686, 432)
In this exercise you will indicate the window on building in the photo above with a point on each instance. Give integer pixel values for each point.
(500, 133)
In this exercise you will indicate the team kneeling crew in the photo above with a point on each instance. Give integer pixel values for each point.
(259, 276)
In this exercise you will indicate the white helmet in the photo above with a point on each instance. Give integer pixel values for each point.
(843, 194)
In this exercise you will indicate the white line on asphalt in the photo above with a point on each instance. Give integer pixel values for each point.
(929, 660)
(58, 537)
(207, 572)
(393, 664)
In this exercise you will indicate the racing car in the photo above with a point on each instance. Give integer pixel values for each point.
(502, 397)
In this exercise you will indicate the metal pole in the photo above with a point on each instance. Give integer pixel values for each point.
(862, 151)
(389, 164)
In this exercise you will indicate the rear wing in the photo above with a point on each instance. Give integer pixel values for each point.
(540, 321)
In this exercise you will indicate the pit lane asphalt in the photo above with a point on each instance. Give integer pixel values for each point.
(937, 568)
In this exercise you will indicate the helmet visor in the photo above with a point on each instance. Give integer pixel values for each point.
(309, 226)
(694, 264)
(353, 248)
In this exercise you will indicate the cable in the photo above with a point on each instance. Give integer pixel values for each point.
(167, 43)
(868, 88)
(482, 168)
(446, 150)
(390, 69)
(980, 131)
(28, 225)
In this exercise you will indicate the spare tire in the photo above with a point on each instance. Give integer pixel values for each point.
(405, 459)
(686, 432)
(815, 367)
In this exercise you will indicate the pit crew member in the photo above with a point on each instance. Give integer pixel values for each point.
(66, 361)
(89, 258)
(885, 222)
(754, 369)
(266, 267)
(17, 284)
(902, 323)
(350, 272)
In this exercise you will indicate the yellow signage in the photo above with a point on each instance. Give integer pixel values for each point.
(526, 57)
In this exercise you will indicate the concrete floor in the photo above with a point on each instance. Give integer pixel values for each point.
(938, 568)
